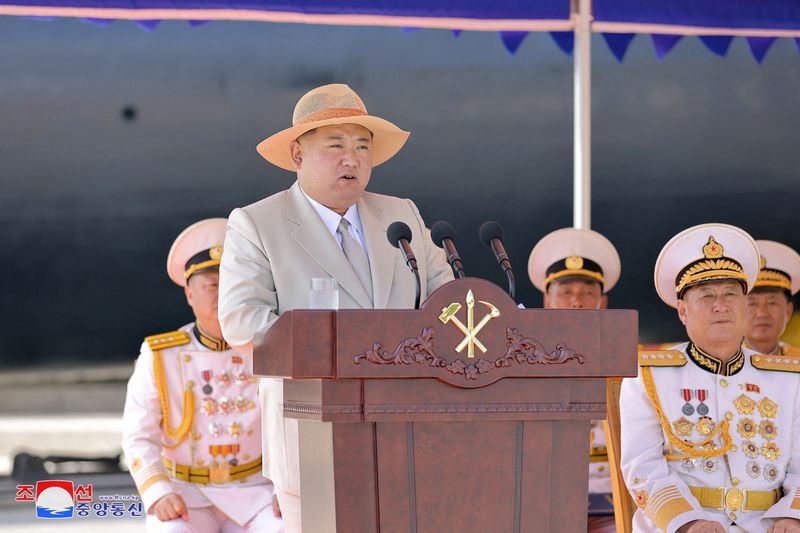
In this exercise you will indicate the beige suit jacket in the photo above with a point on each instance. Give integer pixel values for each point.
(272, 250)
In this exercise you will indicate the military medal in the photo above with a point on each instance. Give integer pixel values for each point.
(243, 404)
(683, 427)
(753, 469)
(767, 408)
(770, 472)
(208, 406)
(242, 378)
(746, 428)
(750, 387)
(223, 379)
(234, 451)
(709, 465)
(744, 405)
(686, 394)
(237, 360)
(641, 499)
(215, 429)
(768, 429)
(219, 472)
(689, 464)
(750, 449)
(770, 451)
(225, 405)
(234, 429)
(207, 388)
(705, 426)
(702, 409)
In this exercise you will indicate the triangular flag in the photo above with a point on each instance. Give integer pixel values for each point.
(512, 40)
(797, 43)
(759, 46)
(409, 29)
(565, 40)
(618, 43)
(147, 25)
(195, 23)
(663, 44)
(103, 23)
(718, 44)
(456, 33)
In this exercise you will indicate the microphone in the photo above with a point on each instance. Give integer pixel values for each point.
(443, 234)
(399, 235)
(491, 235)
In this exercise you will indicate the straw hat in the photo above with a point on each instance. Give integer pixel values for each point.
(780, 267)
(571, 253)
(325, 106)
(702, 254)
(198, 248)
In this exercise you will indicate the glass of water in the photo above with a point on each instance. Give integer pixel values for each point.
(324, 294)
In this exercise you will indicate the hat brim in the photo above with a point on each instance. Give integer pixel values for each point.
(387, 139)
(194, 239)
(782, 257)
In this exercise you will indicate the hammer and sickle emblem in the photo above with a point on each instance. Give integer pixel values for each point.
(471, 330)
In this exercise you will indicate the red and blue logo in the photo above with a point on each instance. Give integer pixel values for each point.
(55, 499)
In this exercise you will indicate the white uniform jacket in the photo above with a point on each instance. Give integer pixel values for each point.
(745, 489)
(222, 440)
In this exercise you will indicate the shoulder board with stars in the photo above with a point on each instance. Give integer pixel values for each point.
(167, 340)
(788, 349)
(781, 363)
(661, 358)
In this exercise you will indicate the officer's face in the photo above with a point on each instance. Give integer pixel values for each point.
(575, 294)
(713, 313)
(334, 164)
(201, 293)
(768, 312)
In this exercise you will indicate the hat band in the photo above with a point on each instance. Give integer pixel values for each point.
(200, 266)
(333, 112)
(597, 276)
(773, 278)
(711, 270)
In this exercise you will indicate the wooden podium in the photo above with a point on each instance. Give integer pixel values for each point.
(467, 415)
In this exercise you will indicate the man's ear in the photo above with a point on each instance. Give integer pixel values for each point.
(682, 311)
(297, 154)
(789, 311)
(604, 302)
(188, 292)
(546, 300)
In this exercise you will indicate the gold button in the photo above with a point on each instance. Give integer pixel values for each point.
(187, 358)
(190, 384)
(735, 481)
(733, 449)
(729, 415)
(723, 382)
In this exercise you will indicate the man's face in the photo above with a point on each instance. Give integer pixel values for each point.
(575, 294)
(334, 164)
(202, 291)
(713, 312)
(768, 312)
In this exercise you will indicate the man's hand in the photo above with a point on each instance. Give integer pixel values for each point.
(702, 526)
(276, 508)
(169, 507)
(785, 525)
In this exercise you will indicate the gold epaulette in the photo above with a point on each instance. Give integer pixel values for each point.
(661, 358)
(788, 349)
(781, 363)
(167, 340)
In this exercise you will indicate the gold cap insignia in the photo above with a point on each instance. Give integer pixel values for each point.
(574, 262)
(215, 252)
(713, 249)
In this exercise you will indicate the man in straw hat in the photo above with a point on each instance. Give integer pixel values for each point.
(769, 304)
(575, 269)
(710, 428)
(192, 420)
(324, 226)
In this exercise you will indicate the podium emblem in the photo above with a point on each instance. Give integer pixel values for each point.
(470, 330)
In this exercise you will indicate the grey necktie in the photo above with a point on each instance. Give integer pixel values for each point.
(356, 254)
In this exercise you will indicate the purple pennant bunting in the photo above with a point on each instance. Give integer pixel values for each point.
(565, 40)
(102, 23)
(38, 19)
(618, 43)
(512, 40)
(797, 43)
(718, 44)
(147, 25)
(195, 23)
(456, 33)
(663, 44)
(759, 46)
(409, 29)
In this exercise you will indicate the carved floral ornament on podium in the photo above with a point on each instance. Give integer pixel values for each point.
(420, 350)
(715, 22)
